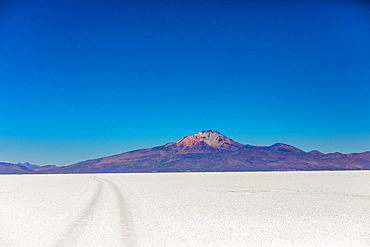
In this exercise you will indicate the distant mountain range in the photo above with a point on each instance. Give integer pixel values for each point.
(207, 151)
(24, 168)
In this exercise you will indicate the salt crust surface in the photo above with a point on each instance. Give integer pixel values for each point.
(329, 208)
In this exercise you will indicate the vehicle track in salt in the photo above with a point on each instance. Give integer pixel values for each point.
(104, 220)
(126, 218)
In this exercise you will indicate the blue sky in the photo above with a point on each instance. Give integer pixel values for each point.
(87, 79)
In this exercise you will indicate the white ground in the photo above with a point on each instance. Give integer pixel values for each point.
(186, 209)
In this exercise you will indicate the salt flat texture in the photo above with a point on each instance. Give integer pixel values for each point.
(186, 209)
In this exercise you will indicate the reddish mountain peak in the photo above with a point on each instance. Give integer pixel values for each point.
(211, 138)
(187, 141)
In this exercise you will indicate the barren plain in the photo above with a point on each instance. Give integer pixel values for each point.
(330, 208)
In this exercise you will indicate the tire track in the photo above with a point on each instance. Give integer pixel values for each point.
(76, 230)
(127, 231)
(106, 196)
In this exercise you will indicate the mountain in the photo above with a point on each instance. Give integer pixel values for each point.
(210, 151)
(212, 138)
(24, 168)
(8, 168)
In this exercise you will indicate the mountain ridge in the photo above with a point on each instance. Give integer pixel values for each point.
(208, 151)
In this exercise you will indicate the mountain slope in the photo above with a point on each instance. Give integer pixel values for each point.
(8, 168)
(25, 168)
(210, 151)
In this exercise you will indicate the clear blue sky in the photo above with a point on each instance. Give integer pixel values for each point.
(87, 79)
